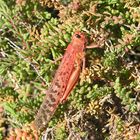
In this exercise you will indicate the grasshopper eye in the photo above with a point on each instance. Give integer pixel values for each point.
(78, 36)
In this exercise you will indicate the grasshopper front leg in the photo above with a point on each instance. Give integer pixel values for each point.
(74, 76)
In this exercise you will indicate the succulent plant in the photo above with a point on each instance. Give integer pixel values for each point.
(34, 35)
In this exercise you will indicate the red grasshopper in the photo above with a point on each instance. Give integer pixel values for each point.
(64, 81)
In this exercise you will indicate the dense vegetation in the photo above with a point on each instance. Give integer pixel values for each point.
(106, 101)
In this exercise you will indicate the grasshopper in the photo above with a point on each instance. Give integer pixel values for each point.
(64, 80)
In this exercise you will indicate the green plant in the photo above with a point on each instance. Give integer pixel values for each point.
(34, 34)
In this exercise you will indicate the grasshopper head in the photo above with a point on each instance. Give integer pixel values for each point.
(79, 38)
